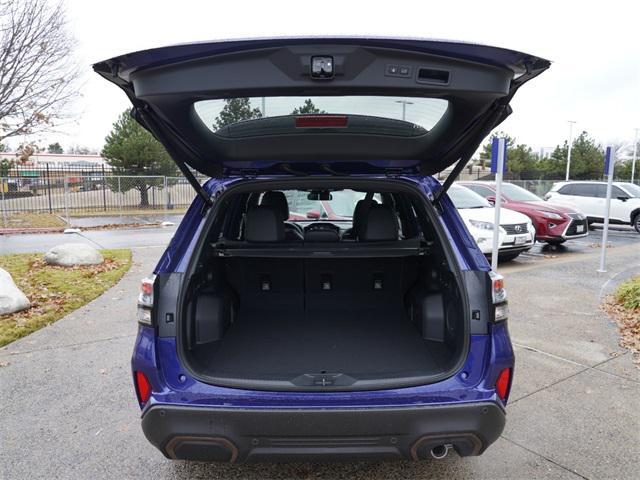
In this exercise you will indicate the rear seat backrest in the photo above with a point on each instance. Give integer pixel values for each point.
(353, 284)
(267, 283)
(379, 225)
(339, 284)
(358, 212)
(278, 200)
(263, 225)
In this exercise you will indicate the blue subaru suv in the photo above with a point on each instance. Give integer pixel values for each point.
(322, 298)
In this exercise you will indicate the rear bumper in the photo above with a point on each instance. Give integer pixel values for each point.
(244, 435)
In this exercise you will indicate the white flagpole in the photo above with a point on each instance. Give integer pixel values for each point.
(635, 155)
(571, 122)
(610, 154)
(497, 205)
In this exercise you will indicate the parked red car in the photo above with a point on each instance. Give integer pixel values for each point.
(555, 224)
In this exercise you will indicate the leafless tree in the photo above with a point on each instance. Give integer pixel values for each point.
(38, 73)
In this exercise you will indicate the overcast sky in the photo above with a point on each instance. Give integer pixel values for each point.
(594, 47)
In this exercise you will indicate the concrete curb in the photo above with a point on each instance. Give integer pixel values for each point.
(27, 231)
(20, 231)
(610, 285)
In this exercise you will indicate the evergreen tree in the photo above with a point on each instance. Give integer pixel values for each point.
(131, 150)
(55, 148)
(520, 157)
(587, 160)
(307, 108)
(236, 110)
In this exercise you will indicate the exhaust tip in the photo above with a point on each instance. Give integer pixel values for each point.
(439, 451)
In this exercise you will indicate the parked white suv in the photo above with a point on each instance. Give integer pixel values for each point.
(590, 197)
(516, 235)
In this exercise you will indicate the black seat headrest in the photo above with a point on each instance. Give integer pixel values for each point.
(380, 225)
(358, 213)
(278, 201)
(263, 224)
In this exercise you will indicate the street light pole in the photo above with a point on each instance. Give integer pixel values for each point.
(404, 108)
(571, 122)
(635, 155)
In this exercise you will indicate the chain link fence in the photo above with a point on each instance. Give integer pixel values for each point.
(539, 187)
(71, 196)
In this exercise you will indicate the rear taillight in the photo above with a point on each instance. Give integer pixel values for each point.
(499, 297)
(145, 301)
(503, 384)
(498, 293)
(143, 387)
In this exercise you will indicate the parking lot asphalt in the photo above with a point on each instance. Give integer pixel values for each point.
(69, 411)
(103, 239)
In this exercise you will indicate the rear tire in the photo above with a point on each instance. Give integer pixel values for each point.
(636, 222)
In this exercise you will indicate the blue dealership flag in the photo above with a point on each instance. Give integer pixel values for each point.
(497, 145)
(607, 160)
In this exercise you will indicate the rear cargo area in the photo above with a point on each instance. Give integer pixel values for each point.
(285, 345)
(322, 322)
(368, 299)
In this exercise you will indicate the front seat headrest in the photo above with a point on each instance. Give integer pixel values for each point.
(380, 225)
(278, 201)
(263, 224)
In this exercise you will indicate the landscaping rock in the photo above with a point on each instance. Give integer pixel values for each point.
(11, 297)
(70, 254)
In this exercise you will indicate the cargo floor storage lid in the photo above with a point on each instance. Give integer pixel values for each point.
(305, 105)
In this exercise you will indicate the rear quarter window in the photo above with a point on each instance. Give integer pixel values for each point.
(617, 192)
(593, 190)
(480, 190)
(601, 191)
